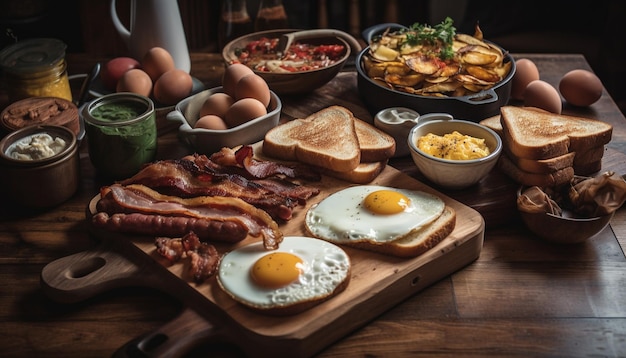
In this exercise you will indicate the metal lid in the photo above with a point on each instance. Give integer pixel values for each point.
(32, 55)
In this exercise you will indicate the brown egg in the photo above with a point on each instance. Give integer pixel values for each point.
(172, 86)
(136, 81)
(581, 88)
(211, 122)
(243, 111)
(156, 62)
(543, 95)
(253, 86)
(232, 75)
(525, 72)
(216, 104)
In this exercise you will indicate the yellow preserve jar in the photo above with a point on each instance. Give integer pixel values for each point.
(35, 68)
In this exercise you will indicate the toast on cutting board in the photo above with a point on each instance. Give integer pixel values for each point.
(418, 242)
(335, 142)
(326, 139)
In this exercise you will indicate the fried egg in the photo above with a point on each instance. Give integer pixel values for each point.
(372, 213)
(302, 271)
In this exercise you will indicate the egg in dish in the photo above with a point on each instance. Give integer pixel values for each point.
(301, 273)
(371, 213)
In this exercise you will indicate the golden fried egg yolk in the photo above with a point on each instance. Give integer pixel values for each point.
(277, 269)
(371, 212)
(386, 202)
(305, 268)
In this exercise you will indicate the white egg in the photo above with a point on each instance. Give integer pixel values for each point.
(344, 216)
(302, 269)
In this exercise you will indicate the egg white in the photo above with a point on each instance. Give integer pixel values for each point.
(342, 218)
(325, 267)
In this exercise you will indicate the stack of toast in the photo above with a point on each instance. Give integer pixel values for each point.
(547, 149)
(334, 141)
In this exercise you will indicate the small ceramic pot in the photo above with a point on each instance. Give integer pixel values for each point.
(32, 179)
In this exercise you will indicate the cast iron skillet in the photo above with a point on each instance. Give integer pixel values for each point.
(474, 107)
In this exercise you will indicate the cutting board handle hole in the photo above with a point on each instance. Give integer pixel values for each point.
(86, 267)
(152, 343)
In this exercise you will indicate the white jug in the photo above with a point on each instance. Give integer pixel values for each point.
(154, 23)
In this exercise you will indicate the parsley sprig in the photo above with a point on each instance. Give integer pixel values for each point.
(441, 34)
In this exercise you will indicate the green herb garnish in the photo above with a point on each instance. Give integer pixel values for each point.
(441, 35)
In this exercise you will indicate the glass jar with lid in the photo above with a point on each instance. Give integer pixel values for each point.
(35, 68)
(121, 133)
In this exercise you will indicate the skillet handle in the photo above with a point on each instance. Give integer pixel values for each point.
(85, 274)
(371, 31)
(488, 96)
(174, 339)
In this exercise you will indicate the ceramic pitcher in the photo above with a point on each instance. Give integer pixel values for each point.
(154, 23)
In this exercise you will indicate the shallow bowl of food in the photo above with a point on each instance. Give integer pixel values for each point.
(207, 141)
(453, 173)
(468, 97)
(302, 73)
(567, 228)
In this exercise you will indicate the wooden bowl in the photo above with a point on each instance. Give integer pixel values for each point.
(302, 81)
(564, 229)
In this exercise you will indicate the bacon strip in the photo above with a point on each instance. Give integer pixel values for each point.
(139, 209)
(197, 175)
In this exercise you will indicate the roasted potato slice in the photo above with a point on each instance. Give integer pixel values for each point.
(404, 80)
(483, 73)
(422, 64)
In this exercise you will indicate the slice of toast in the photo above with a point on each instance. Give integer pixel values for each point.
(544, 166)
(418, 242)
(495, 124)
(325, 139)
(590, 155)
(535, 135)
(364, 173)
(557, 177)
(376, 145)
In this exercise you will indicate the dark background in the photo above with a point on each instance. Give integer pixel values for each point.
(593, 28)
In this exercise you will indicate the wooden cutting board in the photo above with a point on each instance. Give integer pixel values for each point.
(378, 282)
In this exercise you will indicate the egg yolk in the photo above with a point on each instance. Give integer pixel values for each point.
(277, 269)
(386, 202)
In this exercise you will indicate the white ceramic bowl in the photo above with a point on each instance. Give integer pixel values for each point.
(453, 174)
(207, 141)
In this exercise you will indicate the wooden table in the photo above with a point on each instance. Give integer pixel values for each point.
(522, 297)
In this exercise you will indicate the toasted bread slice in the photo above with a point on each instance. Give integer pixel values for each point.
(535, 135)
(418, 242)
(544, 166)
(495, 124)
(588, 168)
(325, 139)
(557, 177)
(375, 144)
(364, 173)
(590, 155)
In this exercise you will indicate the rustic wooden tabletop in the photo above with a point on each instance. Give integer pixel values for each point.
(522, 296)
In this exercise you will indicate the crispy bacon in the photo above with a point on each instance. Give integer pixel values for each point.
(139, 209)
(244, 158)
(197, 175)
(204, 257)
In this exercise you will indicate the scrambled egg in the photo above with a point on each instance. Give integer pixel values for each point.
(455, 146)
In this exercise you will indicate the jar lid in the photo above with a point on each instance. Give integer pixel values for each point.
(32, 55)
